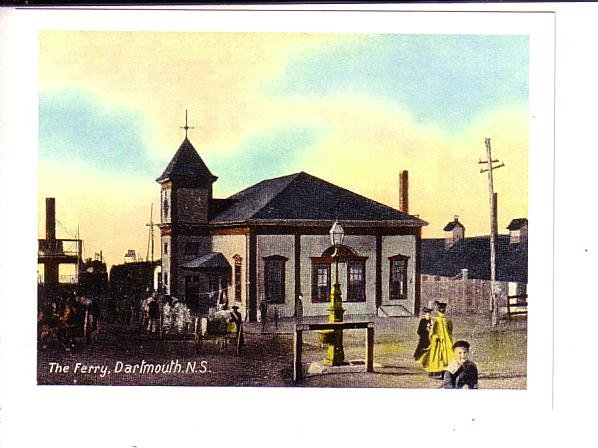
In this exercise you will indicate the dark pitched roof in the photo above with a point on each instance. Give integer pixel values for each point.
(187, 166)
(517, 224)
(304, 197)
(451, 225)
(473, 254)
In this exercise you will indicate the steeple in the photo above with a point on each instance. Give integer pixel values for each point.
(186, 167)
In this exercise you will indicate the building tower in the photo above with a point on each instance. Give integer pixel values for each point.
(185, 202)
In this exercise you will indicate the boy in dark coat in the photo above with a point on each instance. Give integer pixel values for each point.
(461, 373)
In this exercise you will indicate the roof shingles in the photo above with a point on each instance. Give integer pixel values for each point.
(304, 197)
(187, 166)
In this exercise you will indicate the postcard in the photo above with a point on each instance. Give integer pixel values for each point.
(251, 202)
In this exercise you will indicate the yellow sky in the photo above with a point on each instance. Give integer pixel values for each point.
(367, 140)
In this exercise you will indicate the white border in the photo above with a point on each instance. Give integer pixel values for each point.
(34, 416)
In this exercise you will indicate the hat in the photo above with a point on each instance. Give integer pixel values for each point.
(427, 310)
(441, 305)
(463, 344)
(235, 307)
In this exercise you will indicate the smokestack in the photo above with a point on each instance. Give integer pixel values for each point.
(50, 219)
(404, 191)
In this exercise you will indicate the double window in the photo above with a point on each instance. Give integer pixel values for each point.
(322, 278)
(398, 277)
(274, 278)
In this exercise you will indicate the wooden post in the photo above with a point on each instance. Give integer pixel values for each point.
(493, 227)
(369, 353)
(297, 349)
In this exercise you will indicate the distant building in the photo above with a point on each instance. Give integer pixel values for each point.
(88, 277)
(132, 280)
(456, 269)
(518, 231)
(271, 242)
(450, 255)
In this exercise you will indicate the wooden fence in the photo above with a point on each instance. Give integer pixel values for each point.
(467, 296)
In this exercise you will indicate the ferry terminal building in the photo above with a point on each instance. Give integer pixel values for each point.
(271, 242)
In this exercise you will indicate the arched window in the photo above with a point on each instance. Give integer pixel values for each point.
(321, 276)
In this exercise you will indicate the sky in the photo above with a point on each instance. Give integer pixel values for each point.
(353, 109)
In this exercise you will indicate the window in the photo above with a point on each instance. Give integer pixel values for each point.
(320, 282)
(237, 278)
(192, 248)
(398, 277)
(165, 248)
(355, 281)
(166, 278)
(274, 267)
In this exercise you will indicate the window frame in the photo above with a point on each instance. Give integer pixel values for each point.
(269, 262)
(316, 264)
(350, 296)
(237, 280)
(399, 258)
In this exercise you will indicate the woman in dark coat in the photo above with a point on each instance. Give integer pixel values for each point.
(423, 331)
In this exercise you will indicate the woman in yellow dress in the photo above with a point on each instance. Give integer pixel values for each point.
(441, 343)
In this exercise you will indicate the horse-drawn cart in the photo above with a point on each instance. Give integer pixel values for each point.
(224, 328)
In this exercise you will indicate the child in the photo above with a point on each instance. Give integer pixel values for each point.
(423, 331)
(461, 372)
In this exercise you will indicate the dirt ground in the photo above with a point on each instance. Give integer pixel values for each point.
(267, 359)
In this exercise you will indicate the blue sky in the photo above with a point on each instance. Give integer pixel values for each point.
(75, 126)
(354, 109)
(445, 80)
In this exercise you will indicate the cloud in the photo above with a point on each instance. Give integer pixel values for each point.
(112, 121)
(74, 124)
(446, 80)
(271, 153)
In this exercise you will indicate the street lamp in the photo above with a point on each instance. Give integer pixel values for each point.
(336, 354)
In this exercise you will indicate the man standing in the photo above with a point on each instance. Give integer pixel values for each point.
(264, 314)
(153, 312)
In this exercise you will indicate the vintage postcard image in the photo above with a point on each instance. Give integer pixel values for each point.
(297, 209)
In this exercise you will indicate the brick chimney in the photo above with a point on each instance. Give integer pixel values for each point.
(404, 191)
(51, 220)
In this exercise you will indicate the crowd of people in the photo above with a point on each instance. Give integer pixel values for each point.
(74, 319)
(439, 356)
(67, 321)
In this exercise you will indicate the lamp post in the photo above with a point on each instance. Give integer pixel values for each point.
(336, 353)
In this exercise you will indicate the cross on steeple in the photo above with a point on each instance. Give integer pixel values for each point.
(186, 127)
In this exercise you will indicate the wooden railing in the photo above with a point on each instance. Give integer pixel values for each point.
(298, 342)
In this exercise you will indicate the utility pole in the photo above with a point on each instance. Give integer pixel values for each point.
(493, 226)
(150, 242)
